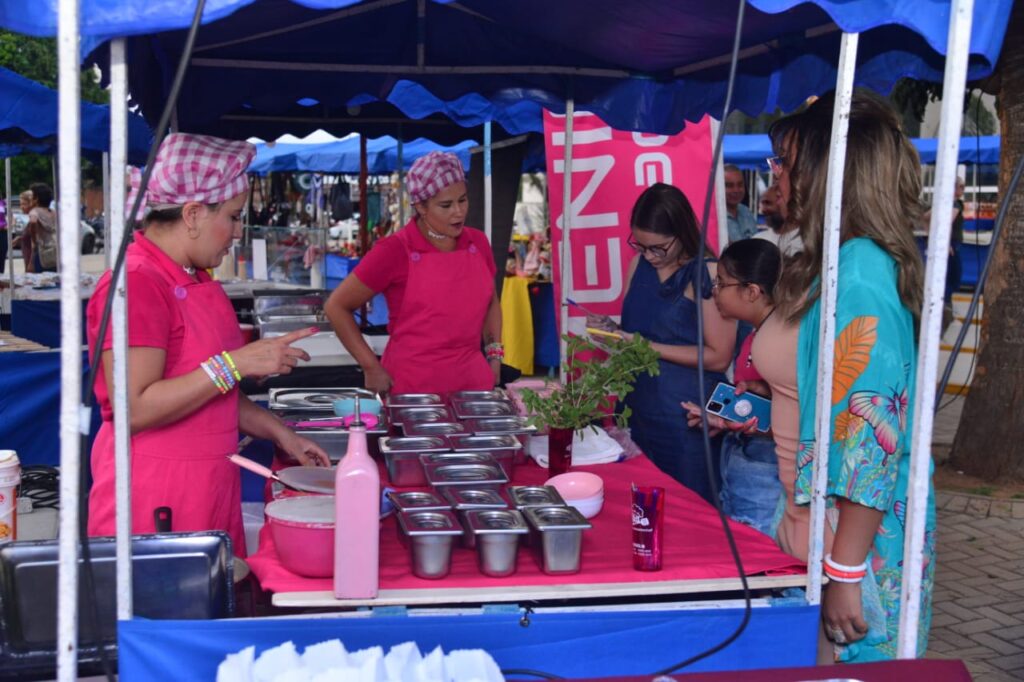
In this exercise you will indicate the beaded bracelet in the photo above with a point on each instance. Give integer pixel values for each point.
(223, 369)
(213, 377)
(494, 351)
(211, 371)
(231, 363)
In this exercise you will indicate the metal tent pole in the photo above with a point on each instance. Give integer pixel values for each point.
(119, 321)
(565, 252)
(829, 289)
(71, 419)
(720, 207)
(488, 190)
(401, 182)
(106, 200)
(10, 225)
(954, 81)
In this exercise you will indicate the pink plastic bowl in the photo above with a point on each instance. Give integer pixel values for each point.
(303, 532)
(577, 485)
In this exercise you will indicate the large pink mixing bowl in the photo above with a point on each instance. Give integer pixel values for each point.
(303, 532)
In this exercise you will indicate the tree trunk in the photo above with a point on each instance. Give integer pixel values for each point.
(990, 439)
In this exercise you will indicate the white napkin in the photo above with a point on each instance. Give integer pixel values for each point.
(330, 662)
(237, 667)
(588, 447)
(274, 662)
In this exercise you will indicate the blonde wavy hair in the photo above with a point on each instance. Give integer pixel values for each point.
(881, 190)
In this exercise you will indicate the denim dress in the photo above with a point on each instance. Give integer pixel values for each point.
(660, 312)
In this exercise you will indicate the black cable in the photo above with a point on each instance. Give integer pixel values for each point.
(87, 389)
(41, 484)
(1004, 206)
(698, 289)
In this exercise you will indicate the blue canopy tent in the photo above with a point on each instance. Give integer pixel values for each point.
(980, 150)
(650, 89)
(28, 121)
(502, 52)
(747, 151)
(264, 62)
(750, 151)
(342, 156)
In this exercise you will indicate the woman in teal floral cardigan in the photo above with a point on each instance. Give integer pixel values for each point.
(879, 303)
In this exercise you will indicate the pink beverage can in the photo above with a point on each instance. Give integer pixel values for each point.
(10, 477)
(648, 519)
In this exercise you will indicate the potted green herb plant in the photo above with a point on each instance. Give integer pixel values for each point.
(595, 375)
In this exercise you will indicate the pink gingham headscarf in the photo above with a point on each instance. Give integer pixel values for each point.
(432, 173)
(199, 168)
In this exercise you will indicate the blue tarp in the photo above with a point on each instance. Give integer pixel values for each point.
(750, 151)
(590, 48)
(28, 121)
(342, 156)
(573, 645)
(30, 404)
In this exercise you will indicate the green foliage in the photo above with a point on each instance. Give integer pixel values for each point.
(591, 379)
(36, 58)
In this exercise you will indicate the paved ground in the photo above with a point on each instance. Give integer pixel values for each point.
(979, 590)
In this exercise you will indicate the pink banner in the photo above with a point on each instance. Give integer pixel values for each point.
(610, 169)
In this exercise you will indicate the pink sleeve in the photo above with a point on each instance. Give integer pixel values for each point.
(382, 264)
(151, 316)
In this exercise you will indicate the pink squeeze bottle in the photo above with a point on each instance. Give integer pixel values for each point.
(356, 518)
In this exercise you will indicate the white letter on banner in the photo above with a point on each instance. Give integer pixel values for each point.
(614, 290)
(641, 140)
(647, 166)
(583, 136)
(599, 166)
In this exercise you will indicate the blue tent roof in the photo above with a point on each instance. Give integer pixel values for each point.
(750, 151)
(342, 156)
(973, 150)
(639, 65)
(28, 121)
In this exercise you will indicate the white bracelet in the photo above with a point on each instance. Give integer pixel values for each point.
(210, 373)
(835, 579)
(863, 566)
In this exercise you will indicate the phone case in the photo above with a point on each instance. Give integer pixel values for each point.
(739, 408)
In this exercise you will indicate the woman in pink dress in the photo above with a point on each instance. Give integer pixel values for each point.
(185, 352)
(437, 276)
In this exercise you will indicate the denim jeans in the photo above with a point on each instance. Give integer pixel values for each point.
(750, 480)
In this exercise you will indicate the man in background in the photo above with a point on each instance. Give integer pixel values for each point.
(742, 222)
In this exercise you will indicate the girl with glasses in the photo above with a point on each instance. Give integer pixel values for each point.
(661, 305)
(747, 273)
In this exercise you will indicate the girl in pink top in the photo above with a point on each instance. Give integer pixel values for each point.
(747, 273)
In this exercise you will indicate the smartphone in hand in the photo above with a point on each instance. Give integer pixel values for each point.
(740, 408)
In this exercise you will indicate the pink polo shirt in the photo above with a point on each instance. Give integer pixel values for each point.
(154, 319)
(385, 268)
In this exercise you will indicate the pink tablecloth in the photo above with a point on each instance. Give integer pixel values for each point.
(694, 544)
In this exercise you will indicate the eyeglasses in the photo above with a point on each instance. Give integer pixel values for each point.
(659, 251)
(717, 285)
(776, 164)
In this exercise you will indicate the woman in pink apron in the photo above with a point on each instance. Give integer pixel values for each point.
(437, 276)
(185, 354)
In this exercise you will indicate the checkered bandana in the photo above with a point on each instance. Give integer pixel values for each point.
(199, 168)
(432, 173)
